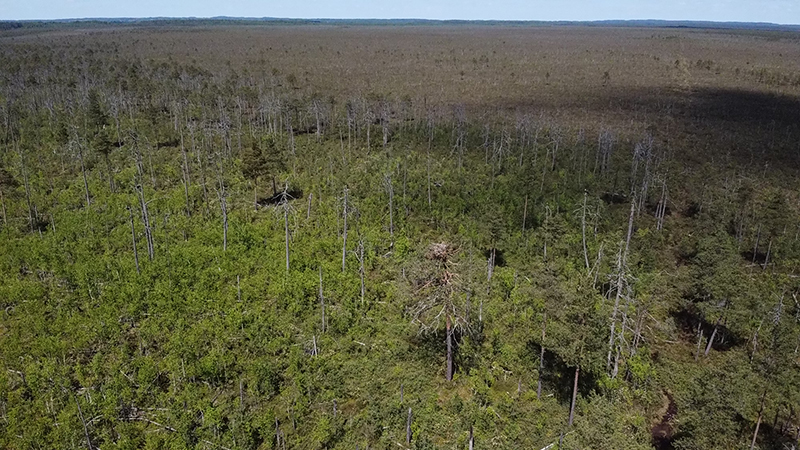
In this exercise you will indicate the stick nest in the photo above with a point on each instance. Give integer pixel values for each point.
(440, 251)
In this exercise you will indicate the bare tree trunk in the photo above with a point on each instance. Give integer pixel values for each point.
(574, 395)
(583, 230)
(391, 208)
(110, 173)
(186, 178)
(408, 427)
(524, 213)
(224, 206)
(758, 422)
(286, 233)
(713, 335)
(622, 262)
(471, 439)
(133, 237)
(148, 232)
(662, 207)
(490, 265)
(755, 248)
(203, 181)
(430, 143)
(344, 231)
(277, 434)
(83, 171)
(541, 359)
(83, 421)
(766, 259)
(321, 299)
(361, 272)
(3, 204)
(32, 217)
(699, 340)
(449, 373)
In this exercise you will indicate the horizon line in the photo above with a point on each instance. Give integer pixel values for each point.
(410, 19)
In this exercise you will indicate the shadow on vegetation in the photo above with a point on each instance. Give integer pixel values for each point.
(499, 259)
(692, 209)
(758, 257)
(614, 198)
(432, 346)
(276, 198)
(773, 433)
(169, 143)
(558, 377)
(688, 319)
(747, 125)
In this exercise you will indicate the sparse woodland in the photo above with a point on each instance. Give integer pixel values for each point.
(218, 258)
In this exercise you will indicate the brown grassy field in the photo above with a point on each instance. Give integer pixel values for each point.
(699, 90)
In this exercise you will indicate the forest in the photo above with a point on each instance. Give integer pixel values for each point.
(328, 237)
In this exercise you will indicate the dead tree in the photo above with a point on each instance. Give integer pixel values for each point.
(32, 215)
(435, 284)
(83, 171)
(758, 422)
(605, 148)
(344, 228)
(133, 237)
(285, 209)
(222, 194)
(661, 208)
(620, 286)
(321, 300)
(387, 181)
(83, 422)
(574, 395)
(408, 427)
(148, 231)
(461, 133)
(583, 230)
(185, 174)
(541, 358)
(359, 254)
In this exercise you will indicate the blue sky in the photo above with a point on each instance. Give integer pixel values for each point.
(777, 11)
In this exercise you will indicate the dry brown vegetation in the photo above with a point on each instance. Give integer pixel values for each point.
(695, 90)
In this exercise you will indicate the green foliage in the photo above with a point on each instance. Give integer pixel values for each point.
(205, 346)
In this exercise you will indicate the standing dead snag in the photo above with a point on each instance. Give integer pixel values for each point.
(436, 285)
(359, 252)
(574, 395)
(321, 300)
(133, 237)
(223, 204)
(387, 180)
(284, 208)
(85, 426)
(344, 229)
(148, 231)
(620, 284)
(541, 358)
(408, 427)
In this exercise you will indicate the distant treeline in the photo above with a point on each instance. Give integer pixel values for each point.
(10, 25)
(225, 20)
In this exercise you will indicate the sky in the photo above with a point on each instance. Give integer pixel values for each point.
(775, 11)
